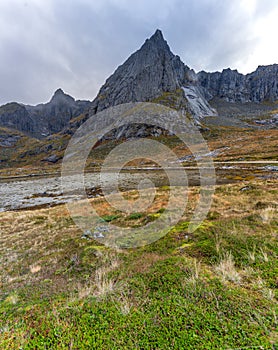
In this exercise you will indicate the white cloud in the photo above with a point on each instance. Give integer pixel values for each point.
(266, 51)
(77, 44)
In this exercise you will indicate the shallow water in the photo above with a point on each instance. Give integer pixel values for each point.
(47, 191)
(27, 193)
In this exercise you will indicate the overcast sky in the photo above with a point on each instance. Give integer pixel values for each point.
(77, 44)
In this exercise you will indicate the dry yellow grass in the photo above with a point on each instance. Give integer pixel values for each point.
(44, 244)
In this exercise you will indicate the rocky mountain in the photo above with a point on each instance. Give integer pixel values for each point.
(155, 74)
(151, 74)
(15, 116)
(148, 74)
(44, 119)
(232, 86)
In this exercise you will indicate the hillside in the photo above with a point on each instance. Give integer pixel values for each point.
(214, 289)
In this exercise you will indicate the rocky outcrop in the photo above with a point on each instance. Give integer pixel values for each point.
(263, 83)
(197, 104)
(15, 116)
(144, 76)
(7, 140)
(232, 86)
(53, 158)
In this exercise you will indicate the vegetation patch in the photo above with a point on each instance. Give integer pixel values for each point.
(216, 288)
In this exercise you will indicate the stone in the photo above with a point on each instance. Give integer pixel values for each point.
(51, 159)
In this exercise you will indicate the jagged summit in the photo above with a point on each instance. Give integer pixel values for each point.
(158, 40)
(158, 34)
(232, 86)
(43, 119)
(59, 92)
(156, 44)
(60, 97)
(145, 75)
(148, 74)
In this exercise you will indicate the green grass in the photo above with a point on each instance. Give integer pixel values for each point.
(213, 289)
(135, 216)
(109, 218)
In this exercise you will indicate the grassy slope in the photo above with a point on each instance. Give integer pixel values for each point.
(233, 144)
(214, 289)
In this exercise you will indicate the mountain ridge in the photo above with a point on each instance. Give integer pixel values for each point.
(147, 74)
(258, 86)
(151, 74)
(42, 119)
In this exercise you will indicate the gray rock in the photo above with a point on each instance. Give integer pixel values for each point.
(54, 116)
(8, 140)
(51, 159)
(145, 75)
(150, 73)
(15, 116)
(87, 235)
(44, 119)
(232, 86)
(98, 233)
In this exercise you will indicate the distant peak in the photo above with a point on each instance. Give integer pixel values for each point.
(157, 40)
(59, 92)
(158, 34)
(59, 96)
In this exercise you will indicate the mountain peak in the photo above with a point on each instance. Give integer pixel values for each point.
(59, 92)
(158, 35)
(158, 40)
(60, 97)
(144, 76)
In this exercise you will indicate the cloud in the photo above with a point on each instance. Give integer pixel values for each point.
(77, 44)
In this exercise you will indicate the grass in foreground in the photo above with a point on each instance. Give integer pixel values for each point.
(214, 289)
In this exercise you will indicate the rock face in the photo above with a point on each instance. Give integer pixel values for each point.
(144, 76)
(15, 116)
(149, 73)
(43, 119)
(52, 117)
(259, 86)
(197, 104)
